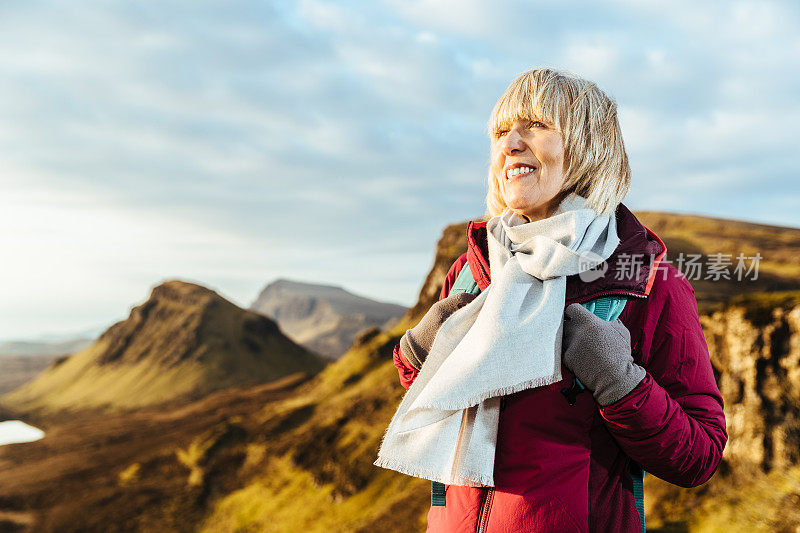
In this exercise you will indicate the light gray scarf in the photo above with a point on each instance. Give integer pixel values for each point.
(506, 340)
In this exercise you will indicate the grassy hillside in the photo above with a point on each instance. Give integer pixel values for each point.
(329, 464)
(153, 469)
(779, 247)
(253, 459)
(184, 341)
(291, 457)
(297, 455)
(326, 461)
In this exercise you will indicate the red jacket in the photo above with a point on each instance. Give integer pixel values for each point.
(562, 468)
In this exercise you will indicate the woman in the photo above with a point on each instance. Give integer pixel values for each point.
(495, 413)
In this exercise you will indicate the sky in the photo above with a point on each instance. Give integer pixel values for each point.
(234, 143)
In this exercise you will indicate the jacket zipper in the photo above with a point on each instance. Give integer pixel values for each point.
(608, 293)
(486, 504)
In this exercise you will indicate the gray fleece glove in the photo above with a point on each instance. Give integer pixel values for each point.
(598, 352)
(416, 342)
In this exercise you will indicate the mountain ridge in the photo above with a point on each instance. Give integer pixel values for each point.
(184, 340)
(323, 318)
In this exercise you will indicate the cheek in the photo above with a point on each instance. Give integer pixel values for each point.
(553, 154)
(551, 157)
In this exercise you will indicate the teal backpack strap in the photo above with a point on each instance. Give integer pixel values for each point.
(606, 307)
(609, 308)
(437, 494)
(637, 476)
(464, 283)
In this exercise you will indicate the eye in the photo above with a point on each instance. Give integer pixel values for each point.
(499, 133)
(536, 123)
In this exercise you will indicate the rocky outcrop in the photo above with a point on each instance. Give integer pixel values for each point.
(754, 345)
(323, 318)
(757, 360)
(451, 245)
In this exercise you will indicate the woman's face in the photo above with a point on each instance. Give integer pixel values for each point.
(528, 161)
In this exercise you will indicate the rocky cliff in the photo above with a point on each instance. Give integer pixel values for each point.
(754, 344)
(755, 347)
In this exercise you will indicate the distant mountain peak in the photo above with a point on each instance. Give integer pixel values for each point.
(183, 292)
(285, 282)
(323, 318)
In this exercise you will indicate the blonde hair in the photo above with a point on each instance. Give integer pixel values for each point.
(596, 165)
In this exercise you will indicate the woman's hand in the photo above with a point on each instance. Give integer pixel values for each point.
(416, 342)
(598, 352)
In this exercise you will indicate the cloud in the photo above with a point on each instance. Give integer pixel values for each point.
(236, 143)
(591, 57)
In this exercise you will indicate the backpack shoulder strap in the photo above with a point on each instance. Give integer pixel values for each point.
(465, 282)
(607, 307)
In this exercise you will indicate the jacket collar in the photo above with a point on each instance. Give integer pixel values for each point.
(631, 267)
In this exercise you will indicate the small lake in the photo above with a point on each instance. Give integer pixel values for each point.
(15, 431)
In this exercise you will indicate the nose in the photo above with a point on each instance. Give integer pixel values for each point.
(513, 143)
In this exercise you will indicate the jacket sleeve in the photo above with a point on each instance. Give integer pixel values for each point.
(404, 368)
(672, 423)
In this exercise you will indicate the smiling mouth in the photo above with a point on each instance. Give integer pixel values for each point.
(519, 172)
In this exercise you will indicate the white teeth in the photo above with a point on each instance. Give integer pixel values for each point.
(520, 170)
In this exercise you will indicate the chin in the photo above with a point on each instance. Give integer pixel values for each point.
(522, 207)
